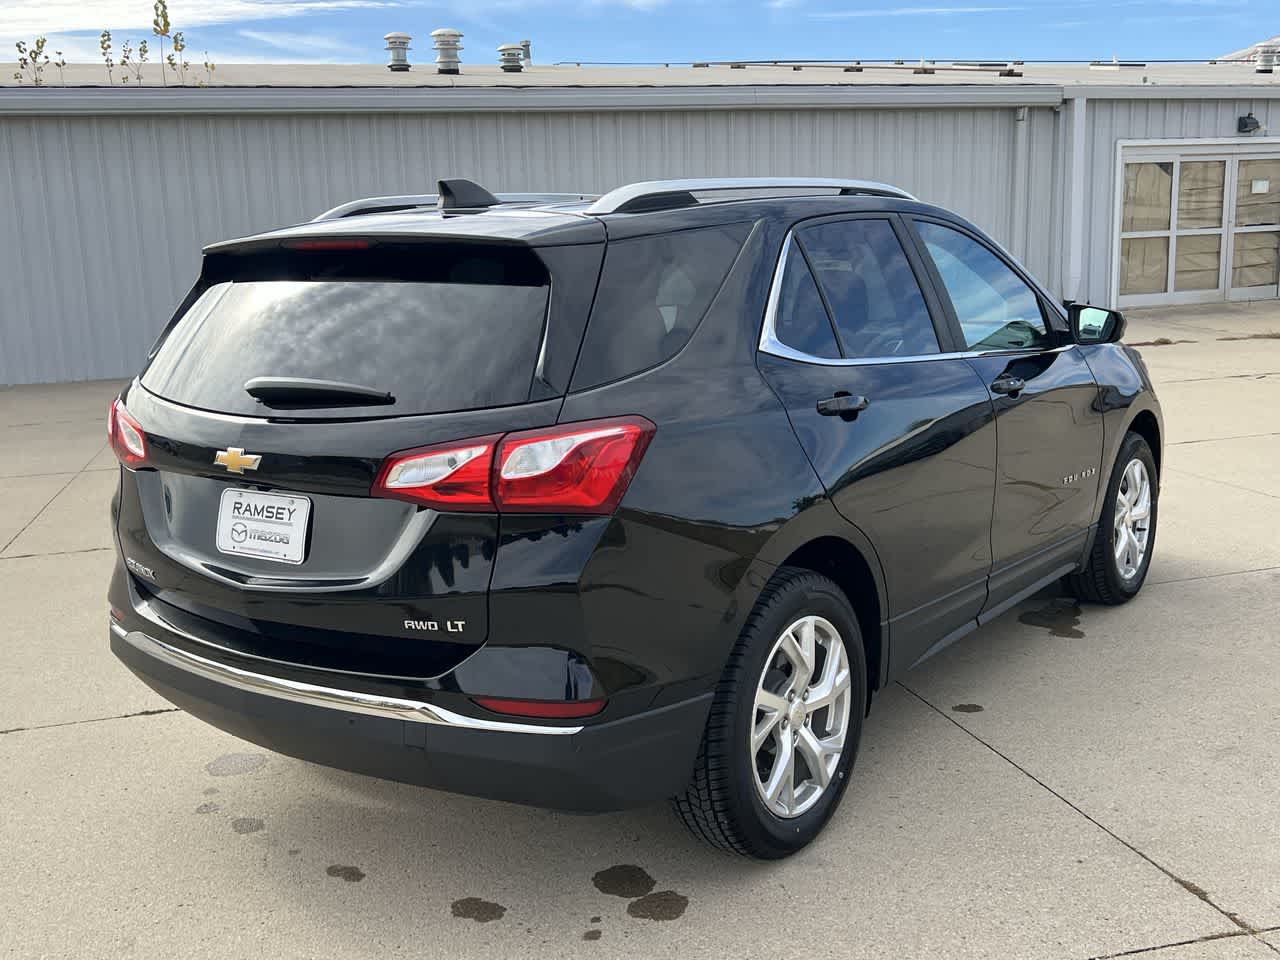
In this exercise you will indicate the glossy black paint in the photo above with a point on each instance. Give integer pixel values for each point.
(936, 505)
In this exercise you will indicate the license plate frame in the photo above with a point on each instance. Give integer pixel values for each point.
(265, 526)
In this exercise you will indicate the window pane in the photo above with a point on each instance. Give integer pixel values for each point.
(653, 293)
(1258, 193)
(801, 321)
(996, 309)
(1256, 260)
(1197, 262)
(1144, 265)
(862, 269)
(1147, 188)
(428, 341)
(1200, 186)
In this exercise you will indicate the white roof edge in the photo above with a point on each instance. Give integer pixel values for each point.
(265, 100)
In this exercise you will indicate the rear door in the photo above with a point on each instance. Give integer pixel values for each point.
(254, 515)
(1048, 418)
(900, 431)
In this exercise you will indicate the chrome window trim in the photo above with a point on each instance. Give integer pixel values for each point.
(351, 701)
(770, 344)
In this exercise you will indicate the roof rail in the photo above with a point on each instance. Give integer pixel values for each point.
(413, 201)
(666, 194)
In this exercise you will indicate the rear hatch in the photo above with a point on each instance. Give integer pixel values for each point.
(269, 406)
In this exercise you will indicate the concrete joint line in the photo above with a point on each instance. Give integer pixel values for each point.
(1193, 889)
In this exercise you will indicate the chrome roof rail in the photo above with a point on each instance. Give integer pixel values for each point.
(666, 194)
(414, 201)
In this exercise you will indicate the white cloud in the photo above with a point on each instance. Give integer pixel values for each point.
(72, 16)
(301, 44)
(907, 12)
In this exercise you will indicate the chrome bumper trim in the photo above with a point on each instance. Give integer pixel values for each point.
(351, 701)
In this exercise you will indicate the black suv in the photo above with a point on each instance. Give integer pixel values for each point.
(588, 503)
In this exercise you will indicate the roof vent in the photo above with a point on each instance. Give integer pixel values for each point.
(511, 57)
(1268, 58)
(527, 47)
(447, 43)
(398, 47)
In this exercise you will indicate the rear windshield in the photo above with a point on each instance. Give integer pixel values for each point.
(440, 330)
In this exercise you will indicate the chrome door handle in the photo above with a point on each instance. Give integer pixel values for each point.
(1008, 386)
(843, 405)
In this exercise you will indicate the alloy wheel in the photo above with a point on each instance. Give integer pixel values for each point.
(800, 716)
(1132, 519)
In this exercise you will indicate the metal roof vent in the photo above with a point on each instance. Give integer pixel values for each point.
(527, 47)
(1268, 58)
(511, 57)
(447, 42)
(398, 47)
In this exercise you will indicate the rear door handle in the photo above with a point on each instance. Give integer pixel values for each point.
(1008, 386)
(843, 405)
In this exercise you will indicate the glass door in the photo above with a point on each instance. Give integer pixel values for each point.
(1255, 229)
(1173, 231)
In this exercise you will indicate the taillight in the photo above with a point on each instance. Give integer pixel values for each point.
(126, 436)
(572, 468)
(542, 709)
(447, 476)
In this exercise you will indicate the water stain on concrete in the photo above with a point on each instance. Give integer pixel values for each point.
(663, 905)
(349, 874)
(294, 852)
(591, 935)
(594, 920)
(234, 764)
(967, 708)
(1061, 617)
(247, 824)
(481, 911)
(625, 880)
(210, 791)
(207, 808)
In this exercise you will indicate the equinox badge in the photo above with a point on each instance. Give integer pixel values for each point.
(236, 460)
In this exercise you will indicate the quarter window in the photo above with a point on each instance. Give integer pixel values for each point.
(871, 289)
(997, 310)
(801, 321)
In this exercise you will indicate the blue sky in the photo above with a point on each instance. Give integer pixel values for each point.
(660, 30)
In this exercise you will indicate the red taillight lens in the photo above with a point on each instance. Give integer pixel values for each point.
(126, 436)
(542, 709)
(447, 476)
(572, 468)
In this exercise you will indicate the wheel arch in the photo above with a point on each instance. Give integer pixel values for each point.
(1146, 425)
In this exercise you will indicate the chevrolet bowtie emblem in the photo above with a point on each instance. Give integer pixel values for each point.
(236, 460)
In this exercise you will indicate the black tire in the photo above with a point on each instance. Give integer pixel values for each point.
(722, 805)
(1101, 579)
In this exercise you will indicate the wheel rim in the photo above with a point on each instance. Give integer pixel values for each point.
(800, 717)
(1132, 519)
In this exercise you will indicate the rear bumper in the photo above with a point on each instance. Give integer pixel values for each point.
(595, 768)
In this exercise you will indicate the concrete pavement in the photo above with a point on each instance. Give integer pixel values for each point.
(1108, 787)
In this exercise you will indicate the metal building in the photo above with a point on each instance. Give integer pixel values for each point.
(1116, 183)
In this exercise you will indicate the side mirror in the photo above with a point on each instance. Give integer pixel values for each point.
(1094, 324)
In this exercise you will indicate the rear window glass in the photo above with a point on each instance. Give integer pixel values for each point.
(652, 295)
(445, 331)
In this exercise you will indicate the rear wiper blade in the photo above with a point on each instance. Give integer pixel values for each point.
(304, 391)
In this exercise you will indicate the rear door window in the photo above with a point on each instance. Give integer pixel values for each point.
(871, 289)
(439, 329)
(653, 293)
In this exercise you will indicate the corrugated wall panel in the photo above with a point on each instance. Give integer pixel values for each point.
(105, 216)
(1110, 121)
